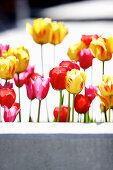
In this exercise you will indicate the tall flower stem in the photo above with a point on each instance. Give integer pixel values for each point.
(30, 119)
(54, 55)
(109, 107)
(60, 106)
(68, 107)
(73, 108)
(87, 117)
(6, 84)
(43, 76)
(39, 111)
(0, 106)
(103, 68)
(42, 60)
(19, 97)
(92, 84)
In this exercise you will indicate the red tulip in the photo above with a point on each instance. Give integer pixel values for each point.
(86, 58)
(9, 85)
(7, 97)
(70, 64)
(3, 48)
(11, 113)
(63, 113)
(88, 38)
(57, 75)
(41, 87)
(81, 103)
(90, 92)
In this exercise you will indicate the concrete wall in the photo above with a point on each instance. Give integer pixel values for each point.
(56, 146)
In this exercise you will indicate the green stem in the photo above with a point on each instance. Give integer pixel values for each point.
(103, 68)
(19, 97)
(39, 111)
(87, 117)
(47, 110)
(73, 108)
(109, 107)
(67, 120)
(30, 119)
(58, 118)
(105, 114)
(42, 60)
(6, 84)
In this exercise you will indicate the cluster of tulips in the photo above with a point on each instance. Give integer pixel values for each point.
(68, 75)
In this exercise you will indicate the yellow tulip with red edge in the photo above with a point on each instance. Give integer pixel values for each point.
(74, 81)
(74, 50)
(41, 31)
(101, 49)
(22, 58)
(7, 67)
(59, 31)
(106, 85)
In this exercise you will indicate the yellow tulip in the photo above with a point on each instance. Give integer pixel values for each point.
(105, 100)
(22, 58)
(7, 67)
(100, 49)
(41, 31)
(58, 33)
(75, 80)
(74, 50)
(109, 44)
(106, 86)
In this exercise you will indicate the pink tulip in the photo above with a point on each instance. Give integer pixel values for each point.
(90, 92)
(11, 113)
(41, 87)
(3, 48)
(9, 85)
(30, 89)
(86, 58)
(24, 75)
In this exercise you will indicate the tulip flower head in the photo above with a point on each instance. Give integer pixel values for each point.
(7, 67)
(9, 85)
(22, 58)
(90, 92)
(7, 97)
(106, 85)
(57, 77)
(63, 113)
(70, 64)
(11, 113)
(41, 31)
(86, 58)
(88, 38)
(3, 48)
(74, 81)
(74, 50)
(58, 33)
(100, 49)
(41, 87)
(81, 103)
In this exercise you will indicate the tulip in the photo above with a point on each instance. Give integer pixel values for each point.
(70, 64)
(63, 114)
(58, 33)
(99, 49)
(86, 58)
(22, 58)
(41, 87)
(3, 48)
(7, 97)
(41, 31)
(57, 77)
(7, 67)
(88, 38)
(90, 92)
(81, 103)
(74, 50)
(106, 85)
(74, 81)
(11, 113)
(9, 85)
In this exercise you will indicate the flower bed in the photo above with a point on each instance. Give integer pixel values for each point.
(65, 76)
